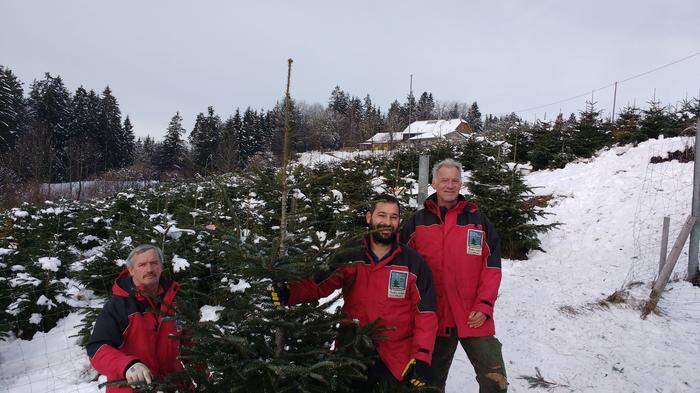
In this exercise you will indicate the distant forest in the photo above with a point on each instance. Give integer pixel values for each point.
(52, 135)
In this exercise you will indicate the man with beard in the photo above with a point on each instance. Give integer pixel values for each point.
(382, 279)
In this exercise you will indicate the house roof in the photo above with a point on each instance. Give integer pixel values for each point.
(420, 130)
(436, 128)
(385, 137)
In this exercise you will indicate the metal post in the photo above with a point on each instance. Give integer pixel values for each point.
(423, 168)
(695, 234)
(664, 243)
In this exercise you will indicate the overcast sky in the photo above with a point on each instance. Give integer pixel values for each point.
(159, 57)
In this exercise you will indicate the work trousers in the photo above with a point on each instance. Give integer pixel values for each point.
(485, 355)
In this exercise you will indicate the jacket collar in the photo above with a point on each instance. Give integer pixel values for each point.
(124, 287)
(462, 204)
(393, 252)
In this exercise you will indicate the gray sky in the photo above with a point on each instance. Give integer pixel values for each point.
(162, 56)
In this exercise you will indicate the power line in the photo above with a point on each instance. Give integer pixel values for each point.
(610, 84)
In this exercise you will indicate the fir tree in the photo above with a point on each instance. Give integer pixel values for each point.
(252, 137)
(170, 154)
(561, 131)
(687, 114)
(474, 118)
(501, 193)
(372, 121)
(230, 149)
(144, 151)
(353, 136)
(589, 134)
(127, 143)
(49, 106)
(298, 141)
(205, 139)
(627, 126)
(426, 107)
(12, 110)
(339, 101)
(490, 122)
(656, 120)
(455, 112)
(82, 153)
(395, 123)
(519, 135)
(111, 143)
(545, 146)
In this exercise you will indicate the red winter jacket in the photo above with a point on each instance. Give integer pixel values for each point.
(463, 251)
(129, 331)
(398, 290)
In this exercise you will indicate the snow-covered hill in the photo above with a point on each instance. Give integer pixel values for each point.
(547, 316)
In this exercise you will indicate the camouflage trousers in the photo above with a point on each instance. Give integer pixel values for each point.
(485, 355)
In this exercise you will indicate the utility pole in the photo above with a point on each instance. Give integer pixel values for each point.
(614, 102)
(694, 242)
(410, 105)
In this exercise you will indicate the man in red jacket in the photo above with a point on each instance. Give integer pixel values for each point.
(131, 342)
(382, 279)
(462, 249)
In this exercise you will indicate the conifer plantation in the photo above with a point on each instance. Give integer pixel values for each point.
(235, 212)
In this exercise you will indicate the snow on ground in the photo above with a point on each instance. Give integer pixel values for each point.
(51, 362)
(607, 207)
(312, 158)
(587, 259)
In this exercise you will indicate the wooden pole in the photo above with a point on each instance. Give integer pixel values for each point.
(661, 282)
(279, 332)
(664, 243)
(694, 243)
(285, 162)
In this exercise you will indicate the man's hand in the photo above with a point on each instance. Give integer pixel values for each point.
(476, 319)
(138, 374)
(417, 373)
(279, 294)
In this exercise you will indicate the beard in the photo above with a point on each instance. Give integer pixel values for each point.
(381, 237)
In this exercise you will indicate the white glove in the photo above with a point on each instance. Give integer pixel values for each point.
(138, 373)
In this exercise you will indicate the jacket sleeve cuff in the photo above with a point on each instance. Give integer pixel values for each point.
(424, 355)
(484, 308)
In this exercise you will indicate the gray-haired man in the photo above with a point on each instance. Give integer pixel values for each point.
(463, 251)
(131, 342)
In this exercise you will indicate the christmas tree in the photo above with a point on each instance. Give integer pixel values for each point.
(501, 193)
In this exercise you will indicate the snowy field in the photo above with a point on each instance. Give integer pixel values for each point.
(312, 158)
(611, 210)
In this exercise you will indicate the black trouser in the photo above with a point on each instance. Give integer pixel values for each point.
(379, 379)
(483, 352)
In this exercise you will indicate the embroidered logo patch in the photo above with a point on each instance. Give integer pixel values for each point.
(397, 284)
(475, 240)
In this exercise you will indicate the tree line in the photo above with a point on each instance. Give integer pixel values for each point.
(51, 134)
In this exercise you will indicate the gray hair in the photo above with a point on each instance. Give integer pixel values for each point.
(144, 248)
(449, 163)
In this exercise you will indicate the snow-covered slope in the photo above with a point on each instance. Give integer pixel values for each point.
(611, 212)
(546, 316)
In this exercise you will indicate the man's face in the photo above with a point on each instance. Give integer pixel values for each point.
(145, 269)
(384, 222)
(447, 184)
